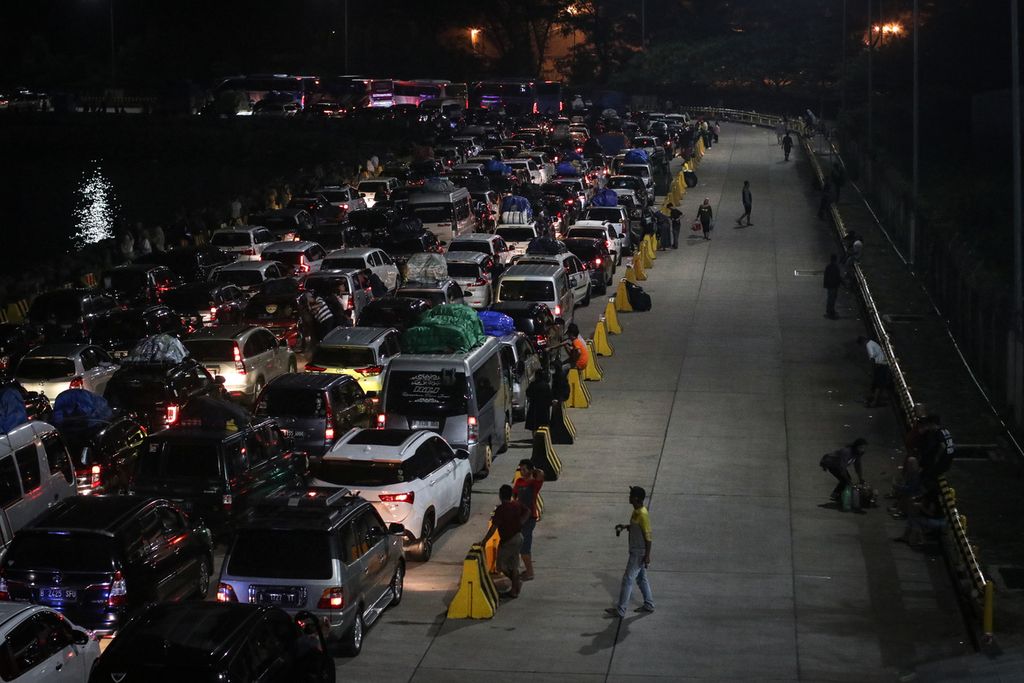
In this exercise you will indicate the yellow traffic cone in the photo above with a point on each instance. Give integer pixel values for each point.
(601, 344)
(622, 298)
(630, 274)
(610, 318)
(638, 265)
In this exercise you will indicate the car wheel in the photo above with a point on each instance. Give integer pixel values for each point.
(508, 434)
(398, 584)
(488, 459)
(203, 582)
(425, 548)
(465, 501)
(352, 644)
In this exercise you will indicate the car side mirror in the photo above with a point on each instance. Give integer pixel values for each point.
(79, 637)
(396, 529)
(462, 454)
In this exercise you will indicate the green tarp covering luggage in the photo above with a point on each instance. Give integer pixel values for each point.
(449, 328)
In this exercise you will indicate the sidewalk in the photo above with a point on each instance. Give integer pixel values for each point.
(987, 480)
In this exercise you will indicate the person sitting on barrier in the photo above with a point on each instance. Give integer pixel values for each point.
(508, 520)
(578, 354)
(526, 489)
(925, 516)
(837, 463)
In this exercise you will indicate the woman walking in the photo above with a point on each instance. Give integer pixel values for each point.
(705, 216)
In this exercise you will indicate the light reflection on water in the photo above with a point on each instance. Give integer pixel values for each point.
(95, 207)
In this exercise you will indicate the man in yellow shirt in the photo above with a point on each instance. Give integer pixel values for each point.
(639, 528)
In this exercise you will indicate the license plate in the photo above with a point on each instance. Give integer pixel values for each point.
(282, 597)
(424, 424)
(185, 505)
(58, 594)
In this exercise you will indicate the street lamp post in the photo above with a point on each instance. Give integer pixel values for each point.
(912, 239)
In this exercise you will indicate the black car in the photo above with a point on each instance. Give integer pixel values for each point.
(99, 559)
(191, 264)
(69, 314)
(534, 320)
(157, 392)
(401, 245)
(217, 474)
(119, 333)
(15, 341)
(206, 303)
(313, 409)
(103, 453)
(594, 253)
(209, 642)
(286, 224)
(280, 313)
(138, 284)
(398, 312)
(321, 210)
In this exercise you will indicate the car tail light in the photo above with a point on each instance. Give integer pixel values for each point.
(597, 262)
(536, 109)
(4, 593)
(351, 303)
(608, 244)
(329, 431)
(94, 476)
(472, 429)
(332, 598)
(237, 355)
(4, 362)
(77, 383)
(370, 370)
(310, 367)
(303, 266)
(118, 591)
(249, 252)
(226, 593)
(382, 420)
(570, 201)
(213, 312)
(171, 413)
(226, 502)
(542, 340)
(558, 310)
(406, 497)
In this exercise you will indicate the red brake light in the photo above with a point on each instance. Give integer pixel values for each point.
(542, 340)
(314, 368)
(237, 354)
(351, 304)
(4, 594)
(171, 413)
(249, 252)
(370, 370)
(225, 593)
(332, 598)
(227, 502)
(480, 282)
(118, 591)
(329, 419)
(213, 312)
(407, 497)
(381, 421)
(94, 476)
(77, 383)
(558, 310)
(472, 429)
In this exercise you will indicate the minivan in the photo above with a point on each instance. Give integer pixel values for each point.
(35, 473)
(247, 242)
(446, 214)
(544, 283)
(464, 397)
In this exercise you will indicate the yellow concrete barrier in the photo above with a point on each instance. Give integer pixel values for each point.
(652, 251)
(601, 344)
(17, 311)
(638, 265)
(477, 598)
(579, 395)
(593, 372)
(611, 321)
(544, 456)
(563, 431)
(621, 298)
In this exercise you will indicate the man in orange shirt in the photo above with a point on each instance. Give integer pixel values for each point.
(578, 354)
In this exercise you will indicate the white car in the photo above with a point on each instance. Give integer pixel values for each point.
(579, 274)
(472, 270)
(300, 257)
(246, 242)
(516, 236)
(613, 239)
(43, 645)
(368, 189)
(483, 243)
(52, 368)
(342, 196)
(377, 260)
(537, 175)
(412, 477)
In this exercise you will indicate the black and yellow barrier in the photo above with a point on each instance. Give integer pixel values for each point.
(593, 371)
(600, 346)
(652, 250)
(630, 274)
(962, 558)
(579, 396)
(611, 321)
(477, 598)
(562, 430)
(544, 456)
(621, 298)
(638, 265)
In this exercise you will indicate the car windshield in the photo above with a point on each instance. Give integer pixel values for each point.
(124, 280)
(189, 298)
(178, 460)
(434, 213)
(271, 310)
(328, 285)
(343, 356)
(343, 263)
(583, 250)
(372, 186)
(203, 350)
(61, 550)
(638, 171)
(464, 271)
(516, 234)
(526, 290)
(620, 183)
(434, 297)
(610, 215)
(281, 554)
(242, 278)
(359, 473)
(475, 246)
(284, 401)
(411, 392)
(45, 368)
(231, 239)
(336, 196)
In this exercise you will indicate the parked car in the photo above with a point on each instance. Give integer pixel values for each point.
(215, 474)
(248, 275)
(371, 258)
(247, 357)
(521, 362)
(300, 257)
(347, 286)
(400, 313)
(15, 341)
(118, 334)
(476, 274)
(517, 237)
(201, 304)
(322, 211)
(138, 284)
(614, 240)
(69, 314)
(579, 275)
(599, 261)
(285, 224)
(278, 311)
(322, 550)
(246, 242)
(373, 188)
(43, 645)
(400, 246)
(434, 293)
(190, 263)
(99, 559)
(52, 368)
(207, 641)
(362, 353)
(643, 194)
(546, 283)
(157, 392)
(343, 197)
(103, 453)
(484, 243)
(313, 409)
(533, 319)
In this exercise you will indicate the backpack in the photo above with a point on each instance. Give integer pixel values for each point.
(639, 300)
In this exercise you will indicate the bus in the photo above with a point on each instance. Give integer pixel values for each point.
(549, 97)
(515, 96)
(258, 86)
(349, 91)
(382, 92)
(420, 90)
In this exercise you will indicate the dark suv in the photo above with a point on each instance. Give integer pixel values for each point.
(206, 642)
(190, 263)
(99, 559)
(534, 320)
(69, 314)
(119, 333)
(314, 409)
(216, 474)
(139, 284)
(157, 392)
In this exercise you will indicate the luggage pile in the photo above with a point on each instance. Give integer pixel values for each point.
(496, 323)
(448, 328)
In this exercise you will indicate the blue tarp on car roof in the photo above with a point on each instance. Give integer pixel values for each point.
(82, 406)
(12, 409)
(606, 197)
(637, 156)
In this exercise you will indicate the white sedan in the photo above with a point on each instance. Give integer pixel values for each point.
(42, 645)
(52, 368)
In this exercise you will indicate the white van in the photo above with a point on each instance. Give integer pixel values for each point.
(35, 473)
(543, 283)
(446, 214)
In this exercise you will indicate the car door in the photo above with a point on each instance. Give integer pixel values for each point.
(259, 356)
(158, 557)
(174, 531)
(41, 648)
(447, 464)
(375, 540)
(61, 470)
(434, 476)
(579, 280)
(350, 406)
(268, 466)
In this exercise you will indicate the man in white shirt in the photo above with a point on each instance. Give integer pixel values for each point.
(879, 370)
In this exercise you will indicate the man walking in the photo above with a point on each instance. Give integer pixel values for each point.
(748, 203)
(833, 279)
(879, 370)
(677, 224)
(705, 216)
(787, 145)
(526, 488)
(508, 520)
(639, 529)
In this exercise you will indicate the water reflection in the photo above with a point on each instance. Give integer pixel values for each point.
(95, 207)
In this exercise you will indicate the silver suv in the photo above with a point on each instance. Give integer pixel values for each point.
(321, 550)
(247, 357)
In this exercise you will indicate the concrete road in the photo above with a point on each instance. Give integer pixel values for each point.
(719, 402)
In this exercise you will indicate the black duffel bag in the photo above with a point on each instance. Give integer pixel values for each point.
(639, 300)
